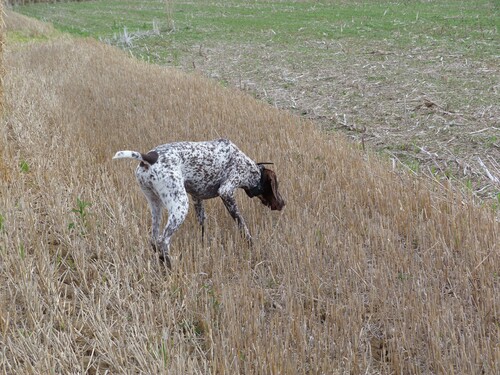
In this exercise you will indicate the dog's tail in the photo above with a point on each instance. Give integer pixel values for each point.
(149, 158)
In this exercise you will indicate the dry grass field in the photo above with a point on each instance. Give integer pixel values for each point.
(366, 271)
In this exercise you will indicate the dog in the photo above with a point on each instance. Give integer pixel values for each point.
(204, 170)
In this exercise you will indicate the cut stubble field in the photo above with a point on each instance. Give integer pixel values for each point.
(368, 270)
(416, 81)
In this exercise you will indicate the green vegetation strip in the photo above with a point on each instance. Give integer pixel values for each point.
(404, 23)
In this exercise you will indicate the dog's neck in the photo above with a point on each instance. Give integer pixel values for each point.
(257, 189)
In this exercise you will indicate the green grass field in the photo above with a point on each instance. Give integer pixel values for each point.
(451, 24)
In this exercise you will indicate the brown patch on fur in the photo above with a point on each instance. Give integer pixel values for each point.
(150, 158)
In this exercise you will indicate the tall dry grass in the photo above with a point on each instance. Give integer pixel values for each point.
(365, 271)
(25, 26)
(2, 43)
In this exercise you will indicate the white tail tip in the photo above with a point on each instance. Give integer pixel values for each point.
(128, 154)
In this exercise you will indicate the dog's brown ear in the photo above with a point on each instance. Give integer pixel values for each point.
(274, 184)
(271, 192)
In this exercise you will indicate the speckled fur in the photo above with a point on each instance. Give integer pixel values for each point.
(168, 173)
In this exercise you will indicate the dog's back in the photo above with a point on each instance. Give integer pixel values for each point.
(204, 166)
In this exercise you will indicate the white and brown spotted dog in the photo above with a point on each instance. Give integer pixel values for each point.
(168, 173)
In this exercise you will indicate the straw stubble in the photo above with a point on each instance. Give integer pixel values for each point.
(365, 271)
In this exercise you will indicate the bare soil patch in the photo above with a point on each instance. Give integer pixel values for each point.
(433, 110)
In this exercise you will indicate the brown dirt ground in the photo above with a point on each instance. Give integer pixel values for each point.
(430, 110)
